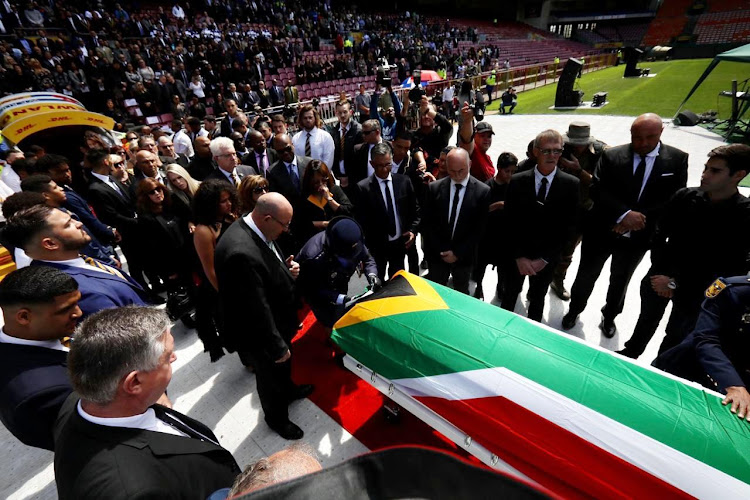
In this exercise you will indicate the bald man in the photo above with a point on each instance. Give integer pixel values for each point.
(631, 185)
(285, 465)
(256, 289)
(454, 214)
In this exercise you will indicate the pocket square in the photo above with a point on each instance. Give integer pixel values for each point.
(667, 174)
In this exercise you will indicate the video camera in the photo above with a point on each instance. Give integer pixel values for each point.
(384, 73)
(415, 94)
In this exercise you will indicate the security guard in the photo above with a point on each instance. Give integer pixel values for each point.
(717, 353)
(490, 83)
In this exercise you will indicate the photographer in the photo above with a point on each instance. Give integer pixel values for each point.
(431, 137)
(509, 98)
(389, 119)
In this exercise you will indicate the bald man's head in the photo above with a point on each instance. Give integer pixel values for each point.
(273, 215)
(284, 465)
(458, 164)
(645, 133)
(256, 141)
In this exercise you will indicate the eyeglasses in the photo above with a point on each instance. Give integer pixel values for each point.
(262, 189)
(551, 152)
(285, 226)
(287, 149)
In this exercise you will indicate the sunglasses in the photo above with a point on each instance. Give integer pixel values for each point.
(260, 189)
(550, 152)
(287, 149)
(155, 190)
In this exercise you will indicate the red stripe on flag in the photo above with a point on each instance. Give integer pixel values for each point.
(549, 454)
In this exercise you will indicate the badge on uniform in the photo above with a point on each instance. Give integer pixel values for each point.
(715, 289)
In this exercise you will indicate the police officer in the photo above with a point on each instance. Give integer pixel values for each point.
(717, 353)
(327, 262)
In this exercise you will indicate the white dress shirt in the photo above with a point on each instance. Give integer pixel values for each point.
(538, 176)
(322, 146)
(461, 195)
(252, 225)
(146, 421)
(183, 144)
(382, 184)
(47, 344)
(108, 181)
(344, 130)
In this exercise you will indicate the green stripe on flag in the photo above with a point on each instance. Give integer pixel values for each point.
(473, 335)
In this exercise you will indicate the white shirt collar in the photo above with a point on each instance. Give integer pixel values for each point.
(653, 153)
(538, 175)
(48, 344)
(252, 225)
(146, 421)
(389, 178)
(77, 262)
(103, 178)
(464, 182)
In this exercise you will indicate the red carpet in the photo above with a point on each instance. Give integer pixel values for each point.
(352, 402)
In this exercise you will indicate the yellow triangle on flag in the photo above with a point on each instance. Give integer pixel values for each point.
(425, 299)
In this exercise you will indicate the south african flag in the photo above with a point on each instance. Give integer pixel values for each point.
(577, 419)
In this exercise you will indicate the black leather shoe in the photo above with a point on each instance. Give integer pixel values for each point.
(287, 430)
(628, 353)
(569, 321)
(560, 291)
(479, 293)
(301, 392)
(608, 328)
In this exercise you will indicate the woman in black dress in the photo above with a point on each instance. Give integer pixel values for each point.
(322, 201)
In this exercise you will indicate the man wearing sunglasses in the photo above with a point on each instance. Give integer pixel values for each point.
(541, 207)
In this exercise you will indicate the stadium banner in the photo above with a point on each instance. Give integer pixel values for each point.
(571, 416)
(10, 112)
(38, 96)
(23, 127)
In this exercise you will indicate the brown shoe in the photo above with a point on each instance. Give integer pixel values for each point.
(559, 289)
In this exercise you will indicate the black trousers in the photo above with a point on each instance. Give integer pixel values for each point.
(390, 257)
(686, 307)
(440, 272)
(274, 383)
(596, 248)
(538, 287)
(206, 315)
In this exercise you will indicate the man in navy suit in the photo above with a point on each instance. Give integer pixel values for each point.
(53, 238)
(113, 439)
(387, 208)
(40, 307)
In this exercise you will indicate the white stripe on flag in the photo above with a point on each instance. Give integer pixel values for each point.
(676, 468)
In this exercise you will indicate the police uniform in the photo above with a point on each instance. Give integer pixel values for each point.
(717, 353)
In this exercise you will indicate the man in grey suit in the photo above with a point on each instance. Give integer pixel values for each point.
(112, 438)
(228, 167)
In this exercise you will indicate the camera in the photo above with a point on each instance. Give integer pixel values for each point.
(384, 73)
(415, 94)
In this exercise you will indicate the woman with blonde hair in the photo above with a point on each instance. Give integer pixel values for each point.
(251, 188)
(183, 188)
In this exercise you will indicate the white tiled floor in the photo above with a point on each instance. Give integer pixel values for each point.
(222, 394)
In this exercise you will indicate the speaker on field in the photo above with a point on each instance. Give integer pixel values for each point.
(632, 55)
(567, 97)
(687, 118)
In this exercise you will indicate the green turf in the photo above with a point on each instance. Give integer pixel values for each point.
(661, 94)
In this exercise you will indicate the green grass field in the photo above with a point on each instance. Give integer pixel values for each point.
(661, 94)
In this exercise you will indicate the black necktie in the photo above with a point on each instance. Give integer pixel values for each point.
(389, 209)
(542, 194)
(638, 175)
(181, 426)
(308, 149)
(454, 210)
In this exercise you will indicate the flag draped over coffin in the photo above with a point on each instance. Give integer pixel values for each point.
(577, 419)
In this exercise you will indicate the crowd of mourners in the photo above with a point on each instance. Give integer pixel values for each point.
(233, 225)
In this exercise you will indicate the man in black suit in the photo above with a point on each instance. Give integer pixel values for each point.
(202, 163)
(387, 208)
(541, 206)
(113, 204)
(256, 292)
(227, 162)
(233, 111)
(146, 165)
(285, 176)
(259, 157)
(40, 307)
(346, 134)
(113, 439)
(235, 95)
(453, 215)
(632, 184)
(360, 167)
(277, 93)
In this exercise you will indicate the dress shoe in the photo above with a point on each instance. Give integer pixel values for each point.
(479, 293)
(569, 321)
(628, 353)
(559, 288)
(301, 392)
(287, 430)
(216, 354)
(608, 328)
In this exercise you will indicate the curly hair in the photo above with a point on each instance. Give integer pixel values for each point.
(206, 200)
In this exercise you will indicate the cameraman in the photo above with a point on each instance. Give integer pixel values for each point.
(431, 137)
(389, 119)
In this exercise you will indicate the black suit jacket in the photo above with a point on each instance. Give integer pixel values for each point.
(372, 214)
(113, 209)
(250, 160)
(280, 182)
(199, 167)
(33, 387)
(435, 226)
(536, 230)
(242, 172)
(356, 169)
(95, 461)
(181, 160)
(613, 178)
(352, 138)
(256, 293)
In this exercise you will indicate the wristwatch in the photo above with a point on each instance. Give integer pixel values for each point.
(672, 285)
